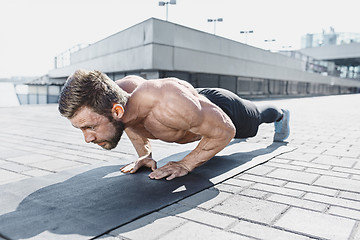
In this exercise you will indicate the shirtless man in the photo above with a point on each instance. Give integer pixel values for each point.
(167, 109)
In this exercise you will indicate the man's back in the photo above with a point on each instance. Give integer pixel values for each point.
(168, 109)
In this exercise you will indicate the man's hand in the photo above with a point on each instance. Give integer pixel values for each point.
(171, 170)
(145, 161)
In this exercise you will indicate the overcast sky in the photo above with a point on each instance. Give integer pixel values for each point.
(33, 32)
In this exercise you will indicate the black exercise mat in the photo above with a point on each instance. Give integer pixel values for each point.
(87, 202)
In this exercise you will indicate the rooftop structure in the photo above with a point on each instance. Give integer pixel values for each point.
(156, 49)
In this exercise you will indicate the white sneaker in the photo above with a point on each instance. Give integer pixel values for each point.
(282, 128)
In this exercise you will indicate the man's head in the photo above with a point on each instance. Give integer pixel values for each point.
(94, 103)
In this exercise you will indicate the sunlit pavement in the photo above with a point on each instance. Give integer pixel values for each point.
(312, 192)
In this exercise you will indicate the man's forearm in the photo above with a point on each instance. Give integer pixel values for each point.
(141, 144)
(206, 149)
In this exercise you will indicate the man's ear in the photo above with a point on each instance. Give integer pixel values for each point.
(117, 111)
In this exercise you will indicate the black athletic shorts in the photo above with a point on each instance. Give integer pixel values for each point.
(243, 113)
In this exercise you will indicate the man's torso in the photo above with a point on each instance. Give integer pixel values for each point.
(160, 109)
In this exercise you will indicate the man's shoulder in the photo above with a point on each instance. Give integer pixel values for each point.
(130, 83)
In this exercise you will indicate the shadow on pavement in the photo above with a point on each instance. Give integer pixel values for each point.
(96, 201)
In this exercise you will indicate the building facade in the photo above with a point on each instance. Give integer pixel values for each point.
(157, 49)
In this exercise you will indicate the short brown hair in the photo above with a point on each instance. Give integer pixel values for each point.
(91, 89)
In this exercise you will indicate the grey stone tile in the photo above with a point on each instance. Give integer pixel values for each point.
(335, 161)
(338, 183)
(297, 202)
(295, 176)
(8, 176)
(251, 208)
(55, 164)
(208, 218)
(30, 158)
(345, 212)
(206, 199)
(15, 167)
(333, 200)
(279, 190)
(144, 227)
(316, 224)
(264, 232)
(198, 231)
(262, 179)
(311, 188)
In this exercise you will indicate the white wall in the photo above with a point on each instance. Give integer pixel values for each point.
(8, 97)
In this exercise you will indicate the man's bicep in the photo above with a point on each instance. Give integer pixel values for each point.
(215, 123)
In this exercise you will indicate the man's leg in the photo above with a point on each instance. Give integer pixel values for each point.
(280, 118)
(270, 114)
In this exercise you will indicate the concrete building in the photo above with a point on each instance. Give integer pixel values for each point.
(157, 49)
(345, 58)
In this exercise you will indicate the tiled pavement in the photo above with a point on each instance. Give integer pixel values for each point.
(312, 192)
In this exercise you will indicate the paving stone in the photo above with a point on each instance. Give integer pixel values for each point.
(238, 182)
(295, 176)
(206, 199)
(109, 237)
(345, 212)
(228, 188)
(311, 165)
(298, 156)
(264, 232)
(279, 160)
(316, 224)
(46, 152)
(198, 231)
(357, 165)
(8, 176)
(262, 179)
(3, 162)
(279, 190)
(328, 172)
(349, 195)
(356, 177)
(8, 154)
(143, 228)
(347, 170)
(311, 149)
(286, 166)
(313, 139)
(301, 203)
(15, 167)
(253, 193)
(335, 161)
(357, 235)
(250, 208)
(333, 200)
(36, 172)
(209, 218)
(30, 158)
(260, 170)
(338, 183)
(55, 165)
(342, 153)
(310, 188)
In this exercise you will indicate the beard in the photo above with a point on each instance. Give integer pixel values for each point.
(113, 142)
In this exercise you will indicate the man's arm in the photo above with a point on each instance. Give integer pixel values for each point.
(202, 118)
(143, 149)
(217, 132)
(130, 83)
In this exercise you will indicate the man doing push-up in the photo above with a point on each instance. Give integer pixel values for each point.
(167, 109)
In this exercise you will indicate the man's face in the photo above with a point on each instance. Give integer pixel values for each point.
(97, 128)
